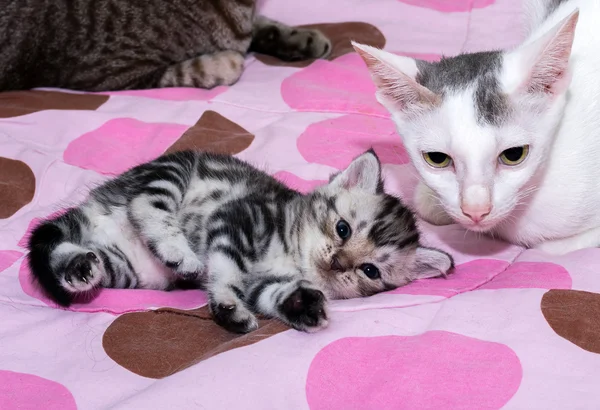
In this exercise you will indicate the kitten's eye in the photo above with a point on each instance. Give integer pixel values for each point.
(514, 156)
(437, 159)
(370, 270)
(343, 229)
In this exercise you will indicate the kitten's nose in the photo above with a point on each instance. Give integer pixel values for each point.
(335, 264)
(476, 213)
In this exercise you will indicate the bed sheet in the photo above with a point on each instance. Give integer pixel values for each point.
(510, 328)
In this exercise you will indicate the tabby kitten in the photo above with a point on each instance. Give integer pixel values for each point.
(257, 245)
(100, 45)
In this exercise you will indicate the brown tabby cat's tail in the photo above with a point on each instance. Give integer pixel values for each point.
(205, 71)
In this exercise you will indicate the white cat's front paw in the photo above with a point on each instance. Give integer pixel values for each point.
(428, 207)
(553, 248)
(567, 245)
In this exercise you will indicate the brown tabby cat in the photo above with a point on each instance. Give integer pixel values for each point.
(100, 45)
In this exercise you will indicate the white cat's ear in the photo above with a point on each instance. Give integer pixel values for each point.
(431, 263)
(394, 76)
(546, 60)
(363, 173)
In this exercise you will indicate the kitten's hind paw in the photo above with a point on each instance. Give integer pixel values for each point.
(83, 272)
(233, 316)
(305, 310)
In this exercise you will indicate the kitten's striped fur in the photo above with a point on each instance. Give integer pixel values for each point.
(258, 246)
(100, 45)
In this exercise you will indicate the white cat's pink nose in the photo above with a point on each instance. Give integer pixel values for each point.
(476, 202)
(476, 213)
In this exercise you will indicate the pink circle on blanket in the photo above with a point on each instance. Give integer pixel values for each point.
(450, 6)
(120, 144)
(7, 258)
(336, 142)
(466, 276)
(491, 274)
(27, 391)
(173, 94)
(434, 370)
(297, 183)
(542, 275)
(342, 85)
(117, 301)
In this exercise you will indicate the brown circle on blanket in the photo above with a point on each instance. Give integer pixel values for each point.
(16, 103)
(214, 133)
(18, 186)
(340, 35)
(575, 316)
(161, 342)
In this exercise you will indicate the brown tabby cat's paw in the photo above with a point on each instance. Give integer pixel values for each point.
(311, 43)
(304, 310)
(291, 44)
(205, 71)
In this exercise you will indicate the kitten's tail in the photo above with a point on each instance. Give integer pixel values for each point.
(44, 239)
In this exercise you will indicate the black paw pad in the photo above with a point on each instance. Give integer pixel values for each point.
(172, 265)
(80, 268)
(189, 276)
(304, 308)
(225, 316)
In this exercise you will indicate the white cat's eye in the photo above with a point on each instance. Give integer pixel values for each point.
(514, 156)
(437, 159)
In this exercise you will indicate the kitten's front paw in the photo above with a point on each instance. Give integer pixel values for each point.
(233, 316)
(183, 261)
(83, 272)
(304, 310)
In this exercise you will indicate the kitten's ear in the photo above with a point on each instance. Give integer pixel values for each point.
(431, 263)
(546, 60)
(394, 76)
(363, 173)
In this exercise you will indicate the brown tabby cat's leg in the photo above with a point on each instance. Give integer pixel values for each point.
(288, 43)
(206, 71)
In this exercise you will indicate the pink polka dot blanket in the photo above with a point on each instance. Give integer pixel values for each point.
(510, 328)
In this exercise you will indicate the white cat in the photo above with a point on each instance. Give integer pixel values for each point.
(507, 142)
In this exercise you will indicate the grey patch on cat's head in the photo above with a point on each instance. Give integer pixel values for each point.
(458, 72)
(477, 70)
(491, 103)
